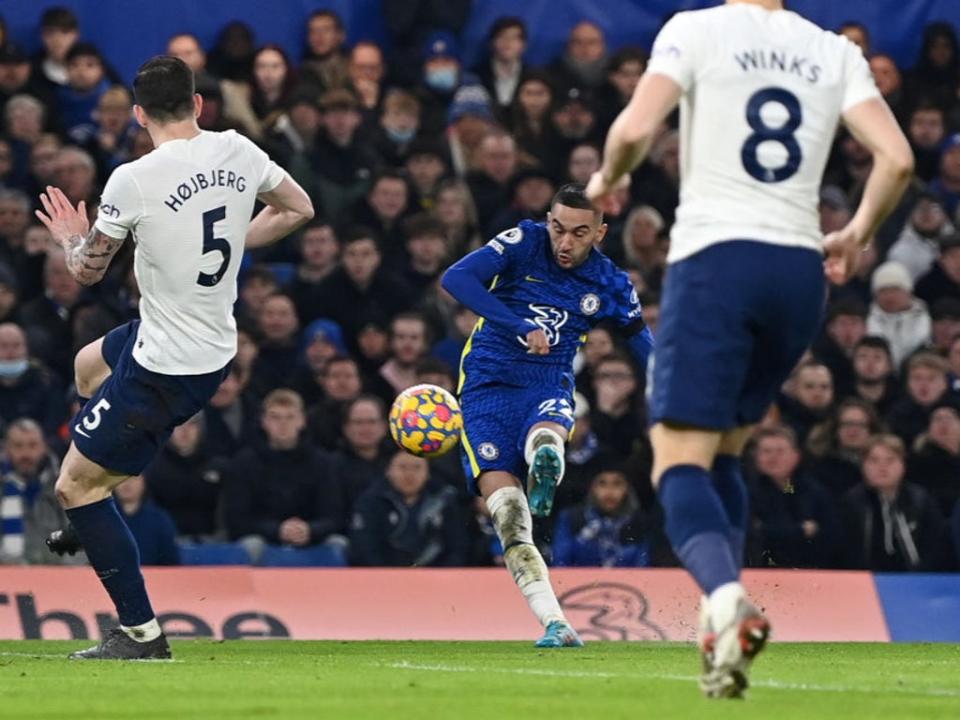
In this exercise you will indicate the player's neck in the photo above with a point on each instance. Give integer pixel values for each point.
(766, 4)
(183, 130)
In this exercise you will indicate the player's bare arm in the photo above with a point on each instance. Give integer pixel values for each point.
(872, 123)
(631, 136)
(88, 251)
(287, 207)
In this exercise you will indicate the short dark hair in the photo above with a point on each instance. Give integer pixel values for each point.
(83, 49)
(505, 23)
(164, 88)
(573, 195)
(337, 20)
(627, 54)
(875, 342)
(59, 18)
(423, 225)
(358, 233)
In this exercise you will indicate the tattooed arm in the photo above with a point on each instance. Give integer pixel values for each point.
(88, 251)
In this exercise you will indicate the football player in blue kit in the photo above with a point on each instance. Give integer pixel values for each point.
(538, 289)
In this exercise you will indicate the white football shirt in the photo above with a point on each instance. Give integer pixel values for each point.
(763, 92)
(188, 205)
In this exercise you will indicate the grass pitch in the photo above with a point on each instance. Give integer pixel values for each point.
(426, 680)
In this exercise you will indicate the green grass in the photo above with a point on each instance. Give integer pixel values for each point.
(427, 680)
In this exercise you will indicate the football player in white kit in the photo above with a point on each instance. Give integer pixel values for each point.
(188, 205)
(761, 92)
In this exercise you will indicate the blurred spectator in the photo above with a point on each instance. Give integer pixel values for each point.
(892, 525)
(926, 130)
(530, 120)
(834, 209)
(895, 313)
(584, 162)
(109, 140)
(935, 461)
(361, 290)
(366, 71)
(279, 350)
(373, 347)
(231, 58)
(8, 294)
(294, 132)
(270, 92)
(59, 31)
(442, 74)
(946, 323)
(501, 72)
(428, 252)
(889, 82)
(454, 336)
(284, 491)
(257, 285)
(794, 520)
(937, 71)
(809, 401)
(496, 165)
(232, 417)
(584, 61)
(75, 173)
(338, 171)
(30, 509)
(383, 210)
(405, 522)
(398, 125)
(48, 318)
(319, 252)
(409, 344)
(412, 23)
(608, 530)
(17, 77)
(43, 155)
(953, 358)
(926, 376)
(624, 70)
(185, 481)
(426, 164)
(324, 65)
(918, 246)
(186, 47)
(946, 185)
(585, 457)
(469, 120)
(340, 379)
(27, 390)
(151, 526)
(857, 33)
(845, 327)
(457, 211)
(24, 119)
(366, 448)
(874, 374)
(616, 416)
(639, 246)
(86, 82)
(322, 341)
(837, 446)
(656, 181)
(532, 190)
(574, 118)
(943, 279)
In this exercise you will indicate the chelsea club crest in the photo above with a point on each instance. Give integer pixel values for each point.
(488, 451)
(589, 304)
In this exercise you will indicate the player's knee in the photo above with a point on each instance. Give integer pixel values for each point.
(75, 488)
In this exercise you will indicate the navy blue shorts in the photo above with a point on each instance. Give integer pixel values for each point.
(734, 321)
(127, 421)
(496, 420)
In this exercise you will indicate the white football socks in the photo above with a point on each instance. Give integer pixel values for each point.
(514, 525)
(143, 633)
(723, 604)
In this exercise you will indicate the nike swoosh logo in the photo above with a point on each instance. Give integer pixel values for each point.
(77, 429)
(530, 278)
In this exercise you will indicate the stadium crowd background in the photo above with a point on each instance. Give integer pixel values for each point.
(411, 164)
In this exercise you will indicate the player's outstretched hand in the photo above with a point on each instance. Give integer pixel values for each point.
(61, 218)
(842, 250)
(537, 343)
(604, 195)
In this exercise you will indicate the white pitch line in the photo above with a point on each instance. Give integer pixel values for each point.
(772, 684)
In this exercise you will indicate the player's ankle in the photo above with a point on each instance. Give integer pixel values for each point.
(146, 632)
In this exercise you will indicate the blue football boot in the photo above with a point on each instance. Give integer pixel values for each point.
(559, 634)
(546, 472)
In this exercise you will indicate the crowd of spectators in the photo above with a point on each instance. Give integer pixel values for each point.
(412, 160)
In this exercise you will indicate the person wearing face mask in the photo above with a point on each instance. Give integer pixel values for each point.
(27, 389)
(442, 74)
(398, 126)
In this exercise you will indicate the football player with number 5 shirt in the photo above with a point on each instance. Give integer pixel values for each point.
(761, 92)
(188, 206)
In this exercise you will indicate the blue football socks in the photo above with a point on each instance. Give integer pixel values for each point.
(728, 481)
(113, 553)
(697, 526)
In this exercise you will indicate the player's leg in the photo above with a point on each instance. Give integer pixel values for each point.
(90, 370)
(84, 489)
(731, 487)
(513, 523)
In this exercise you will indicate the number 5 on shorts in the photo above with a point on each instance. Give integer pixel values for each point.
(92, 421)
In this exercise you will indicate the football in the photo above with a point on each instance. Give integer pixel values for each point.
(425, 421)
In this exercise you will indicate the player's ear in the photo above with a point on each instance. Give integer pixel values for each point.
(140, 115)
(601, 233)
(197, 104)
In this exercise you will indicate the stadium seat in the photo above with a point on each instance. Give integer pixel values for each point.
(213, 554)
(319, 556)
